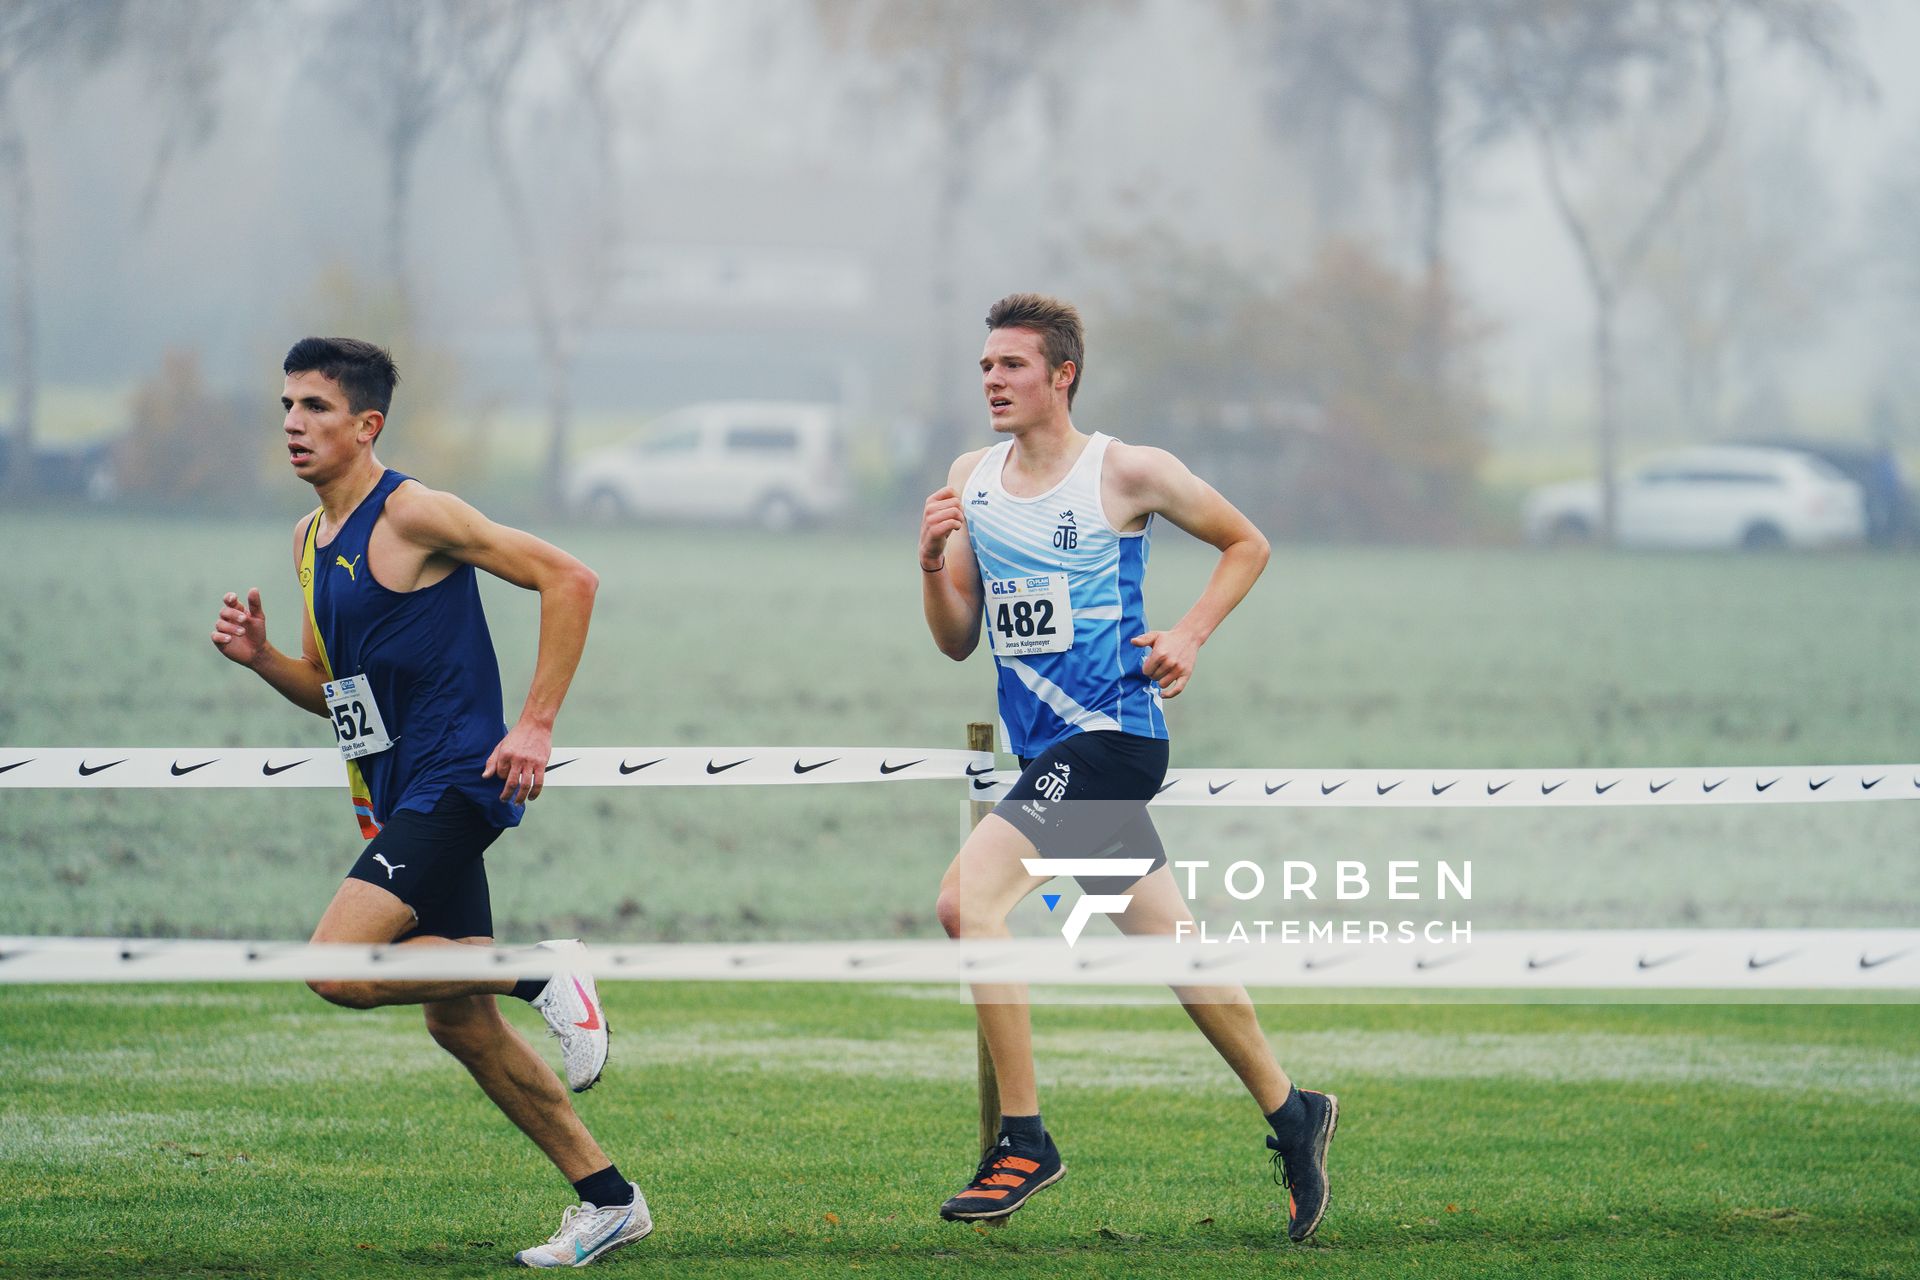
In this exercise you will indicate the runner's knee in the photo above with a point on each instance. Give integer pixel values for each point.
(464, 1028)
(348, 995)
(947, 909)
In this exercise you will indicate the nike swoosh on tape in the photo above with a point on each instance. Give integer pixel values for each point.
(977, 773)
(809, 768)
(635, 768)
(713, 768)
(1655, 788)
(178, 772)
(1645, 963)
(1868, 786)
(87, 770)
(1710, 787)
(1424, 963)
(1326, 790)
(1214, 791)
(886, 768)
(1548, 964)
(563, 764)
(1762, 786)
(1494, 791)
(1440, 790)
(1272, 790)
(1755, 962)
(16, 764)
(1546, 790)
(269, 769)
(1380, 790)
(1815, 786)
(1167, 786)
(1601, 789)
(1875, 964)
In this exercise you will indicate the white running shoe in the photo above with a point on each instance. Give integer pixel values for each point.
(571, 1005)
(586, 1232)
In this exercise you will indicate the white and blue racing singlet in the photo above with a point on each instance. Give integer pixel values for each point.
(1062, 592)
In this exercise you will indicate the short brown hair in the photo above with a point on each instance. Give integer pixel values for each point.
(1058, 324)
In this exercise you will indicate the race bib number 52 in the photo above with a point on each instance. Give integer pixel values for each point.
(356, 717)
(1029, 615)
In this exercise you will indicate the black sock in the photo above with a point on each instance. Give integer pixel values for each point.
(1026, 1131)
(604, 1189)
(528, 988)
(1289, 1119)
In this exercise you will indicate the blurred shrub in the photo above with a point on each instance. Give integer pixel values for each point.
(185, 444)
(1344, 402)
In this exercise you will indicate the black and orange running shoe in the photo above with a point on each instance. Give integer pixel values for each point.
(1006, 1177)
(1301, 1166)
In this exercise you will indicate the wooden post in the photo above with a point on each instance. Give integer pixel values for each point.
(980, 738)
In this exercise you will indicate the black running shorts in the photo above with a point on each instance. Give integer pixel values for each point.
(434, 863)
(1086, 797)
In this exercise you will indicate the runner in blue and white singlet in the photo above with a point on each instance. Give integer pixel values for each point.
(1053, 562)
(1064, 667)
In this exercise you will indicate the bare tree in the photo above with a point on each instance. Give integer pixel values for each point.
(1743, 276)
(177, 45)
(964, 61)
(1415, 71)
(36, 34)
(1574, 71)
(494, 40)
(402, 56)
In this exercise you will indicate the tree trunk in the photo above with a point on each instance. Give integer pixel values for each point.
(948, 432)
(21, 310)
(555, 361)
(1606, 378)
(400, 148)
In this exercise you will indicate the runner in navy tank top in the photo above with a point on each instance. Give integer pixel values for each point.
(396, 655)
(1052, 557)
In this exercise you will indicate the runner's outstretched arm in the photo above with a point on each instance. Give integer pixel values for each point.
(442, 523)
(1154, 481)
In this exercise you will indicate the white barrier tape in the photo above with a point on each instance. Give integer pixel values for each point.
(106, 767)
(1524, 788)
(1886, 960)
(109, 767)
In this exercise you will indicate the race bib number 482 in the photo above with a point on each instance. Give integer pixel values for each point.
(1029, 615)
(356, 717)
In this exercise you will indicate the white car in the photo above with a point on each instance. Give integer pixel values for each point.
(1710, 497)
(772, 463)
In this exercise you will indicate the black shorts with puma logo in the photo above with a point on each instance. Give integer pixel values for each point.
(434, 862)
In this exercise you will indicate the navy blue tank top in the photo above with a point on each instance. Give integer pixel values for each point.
(429, 659)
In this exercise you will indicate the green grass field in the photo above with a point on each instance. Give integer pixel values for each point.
(813, 1131)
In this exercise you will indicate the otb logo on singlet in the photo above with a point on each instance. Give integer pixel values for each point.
(347, 564)
(1067, 536)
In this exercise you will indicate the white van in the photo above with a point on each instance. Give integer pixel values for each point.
(776, 464)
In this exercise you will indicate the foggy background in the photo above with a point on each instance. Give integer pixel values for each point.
(1360, 260)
